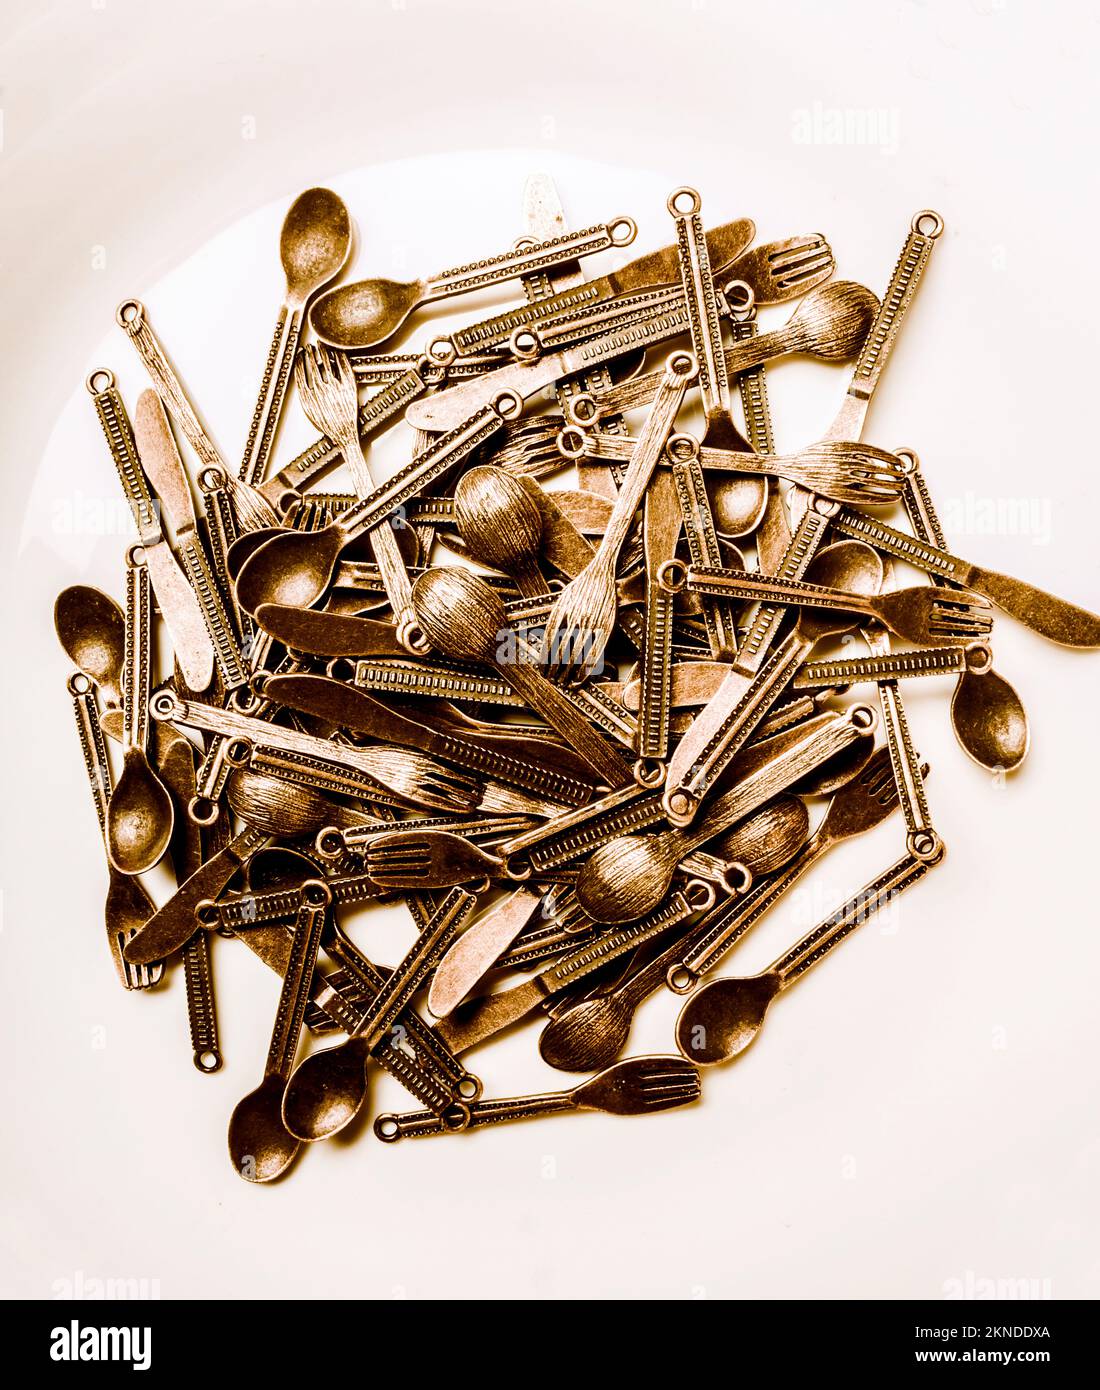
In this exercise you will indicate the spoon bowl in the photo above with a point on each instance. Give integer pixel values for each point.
(990, 721)
(259, 1146)
(356, 316)
(140, 817)
(737, 503)
(246, 545)
(832, 321)
(625, 878)
(327, 1091)
(315, 242)
(849, 565)
(293, 568)
(588, 1036)
(276, 866)
(92, 631)
(720, 1020)
(501, 525)
(284, 808)
(766, 840)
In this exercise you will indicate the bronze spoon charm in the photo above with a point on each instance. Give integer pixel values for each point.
(368, 312)
(140, 813)
(313, 246)
(260, 1146)
(591, 1033)
(628, 876)
(92, 631)
(501, 525)
(296, 567)
(722, 1018)
(462, 616)
(327, 1090)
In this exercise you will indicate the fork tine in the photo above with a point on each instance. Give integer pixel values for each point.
(808, 257)
(662, 1085)
(884, 778)
(798, 249)
(129, 972)
(671, 1102)
(804, 269)
(661, 1068)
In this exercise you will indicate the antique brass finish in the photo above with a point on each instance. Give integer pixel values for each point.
(548, 685)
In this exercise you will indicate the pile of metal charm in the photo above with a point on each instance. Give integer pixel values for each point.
(562, 683)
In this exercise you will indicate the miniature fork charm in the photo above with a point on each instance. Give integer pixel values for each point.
(638, 1086)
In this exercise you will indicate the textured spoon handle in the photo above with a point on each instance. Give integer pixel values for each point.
(703, 549)
(431, 1050)
(773, 535)
(86, 713)
(731, 921)
(701, 300)
(925, 229)
(839, 925)
(661, 528)
(221, 531)
(529, 258)
(287, 1029)
(427, 467)
(724, 726)
(202, 1018)
(573, 833)
(495, 331)
(423, 1123)
(803, 546)
(711, 580)
(138, 654)
(607, 316)
(434, 1075)
(921, 837)
(269, 404)
(922, 511)
(932, 661)
(580, 963)
(124, 455)
(132, 318)
(903, 546)
(219, 628)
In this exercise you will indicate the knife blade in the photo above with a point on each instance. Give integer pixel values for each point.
(479, 947)
(487, 1015)
(173, 925)
(175, 597)
(329, 634)
(162, 464)
(350, 708)
(1054, 618)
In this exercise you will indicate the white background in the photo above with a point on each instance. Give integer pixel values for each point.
(921, 1113)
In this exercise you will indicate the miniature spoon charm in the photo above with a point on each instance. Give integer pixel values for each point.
(139, 813)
